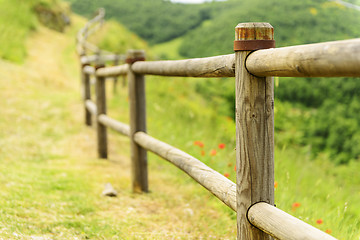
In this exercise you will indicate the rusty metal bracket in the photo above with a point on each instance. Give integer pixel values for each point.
(251, 45)
(84, 65)
(101, 65)
(132, 60)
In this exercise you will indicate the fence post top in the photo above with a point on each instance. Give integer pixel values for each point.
(254, 30)
(253, 36)
(134, 55)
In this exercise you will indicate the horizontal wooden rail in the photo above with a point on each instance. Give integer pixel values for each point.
(93, 28)
(115, 125)
(87, 31)
(328, 59)
(91, 106)
(217, 184)
(89, 70)
(84, 32)
(89, 59)
(219, 66)
(90, 27)
(281, 225)
(99, 17)
(113, 71)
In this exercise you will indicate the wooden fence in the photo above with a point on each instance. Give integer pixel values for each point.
(253, 65)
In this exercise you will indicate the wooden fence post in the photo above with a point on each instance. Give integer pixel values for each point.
(101, 109)
(116, 62)
(137, 122)
(254, 128)
(87, 93)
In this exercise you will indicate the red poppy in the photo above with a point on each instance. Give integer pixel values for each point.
(199, 143)
(227, 175)
(319, 221)
(276, 184)
(295, 205)
(202, 153)
(221, 145)
(328, 231)
(213, 152)
(235, 168)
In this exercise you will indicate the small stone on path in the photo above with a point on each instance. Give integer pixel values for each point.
(109, 191)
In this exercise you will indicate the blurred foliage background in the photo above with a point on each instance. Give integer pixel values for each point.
(208, 29)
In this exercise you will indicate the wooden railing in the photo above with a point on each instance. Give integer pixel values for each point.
(253, 67)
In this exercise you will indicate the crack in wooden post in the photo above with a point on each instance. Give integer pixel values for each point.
(254, 133)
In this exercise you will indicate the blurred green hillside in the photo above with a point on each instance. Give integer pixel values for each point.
(155, 20)
(113, 36)
(332, 103)
(295, 22)
(20, 18)
(207, 29)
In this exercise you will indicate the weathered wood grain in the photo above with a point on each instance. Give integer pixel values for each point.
(254, 134)
(281, 225)
(115, 125)
(219, 66)
(216, 183)
(328, 59)
(101, 109)
(113, 71)
(137, 106)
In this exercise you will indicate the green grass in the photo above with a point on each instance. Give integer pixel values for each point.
(323, 190)
(17, 21)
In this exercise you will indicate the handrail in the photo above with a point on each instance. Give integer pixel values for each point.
(90, 105)
(218, 66)
(327, 59)
(113, 71)
(281, 225)
(89, 70)
(223, 188)
(115, 125)
(253, 70)
(90, 27)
